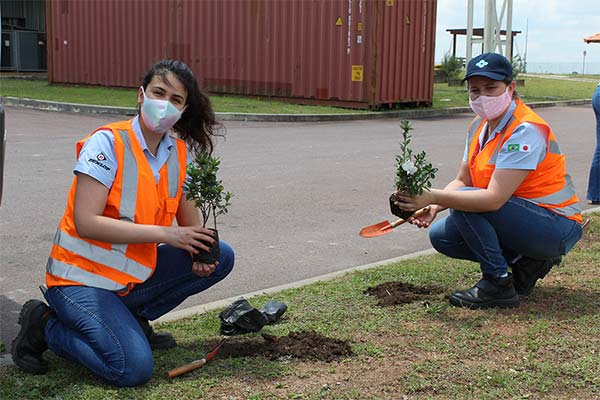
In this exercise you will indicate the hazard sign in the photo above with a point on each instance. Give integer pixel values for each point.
(338, 21)
(357, 73)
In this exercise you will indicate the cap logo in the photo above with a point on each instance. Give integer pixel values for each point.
(482, 63)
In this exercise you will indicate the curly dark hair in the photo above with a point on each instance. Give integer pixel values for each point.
(198, 124)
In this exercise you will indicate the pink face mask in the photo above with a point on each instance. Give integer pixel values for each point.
(490, 107)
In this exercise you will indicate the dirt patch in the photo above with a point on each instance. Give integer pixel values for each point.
(393, 293)
(307, 345)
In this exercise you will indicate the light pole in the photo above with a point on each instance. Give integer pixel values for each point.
(583, 70)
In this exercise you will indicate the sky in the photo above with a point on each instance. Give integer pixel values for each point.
(556, 29)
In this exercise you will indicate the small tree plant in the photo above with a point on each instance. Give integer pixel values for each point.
(413, 172)
(206, 190)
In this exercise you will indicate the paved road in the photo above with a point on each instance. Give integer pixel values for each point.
(302, 192)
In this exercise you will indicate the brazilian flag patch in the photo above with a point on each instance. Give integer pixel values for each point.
(513, 147)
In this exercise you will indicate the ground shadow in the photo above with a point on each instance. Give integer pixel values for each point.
(558, 302)
(9, 317)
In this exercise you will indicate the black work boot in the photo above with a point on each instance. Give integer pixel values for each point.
(528, 270)
(488, 292)
(162, 340)
(30, 344)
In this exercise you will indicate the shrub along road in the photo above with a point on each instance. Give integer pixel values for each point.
(302, 192)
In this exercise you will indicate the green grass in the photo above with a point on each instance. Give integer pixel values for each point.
(121, 97)
(444, 96)
(547, 348)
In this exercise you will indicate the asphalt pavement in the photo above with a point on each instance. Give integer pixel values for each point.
(302, 192)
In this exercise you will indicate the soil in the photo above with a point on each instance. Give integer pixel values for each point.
(398, 211)
(394, 293)
(307, 345)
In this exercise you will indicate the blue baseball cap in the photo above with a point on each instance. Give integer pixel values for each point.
(491, 65)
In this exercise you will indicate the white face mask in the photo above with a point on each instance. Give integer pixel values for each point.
(491, 107)
(159, 115)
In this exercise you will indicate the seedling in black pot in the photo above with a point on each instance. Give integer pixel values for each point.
(413, 172)
(209, 197)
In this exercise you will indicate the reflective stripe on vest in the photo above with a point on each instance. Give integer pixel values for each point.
(173, 171)
(566, 193)
(130, 181)
(76, 274)
(112, 258)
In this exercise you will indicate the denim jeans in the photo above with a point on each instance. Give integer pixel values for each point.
(518, 228)
(97, 327)
(593, 191)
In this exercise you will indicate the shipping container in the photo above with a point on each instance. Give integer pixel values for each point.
(353, 53)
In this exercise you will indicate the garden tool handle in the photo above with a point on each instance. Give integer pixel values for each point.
(417, 213)
(186, 368)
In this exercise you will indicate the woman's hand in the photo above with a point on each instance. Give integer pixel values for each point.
(189, 238)
(408, 203)
(426, 219)
(204, 269)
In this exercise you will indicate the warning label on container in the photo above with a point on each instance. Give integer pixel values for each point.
(390, 3)
(338, 21)
(357, 73)
(359, 27)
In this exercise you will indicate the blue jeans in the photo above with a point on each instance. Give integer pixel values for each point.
(97, 327)
(518, 228)
(593, 192)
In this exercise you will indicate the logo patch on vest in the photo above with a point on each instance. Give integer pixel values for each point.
(101, 157)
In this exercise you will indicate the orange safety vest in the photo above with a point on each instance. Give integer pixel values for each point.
(547, 186)
(134, 197)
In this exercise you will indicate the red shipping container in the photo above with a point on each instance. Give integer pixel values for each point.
(353, 53)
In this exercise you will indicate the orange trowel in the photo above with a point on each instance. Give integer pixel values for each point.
(385, 227)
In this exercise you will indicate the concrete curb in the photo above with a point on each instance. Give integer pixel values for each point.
(129, 111)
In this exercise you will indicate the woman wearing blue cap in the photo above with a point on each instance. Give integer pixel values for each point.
(512, 203)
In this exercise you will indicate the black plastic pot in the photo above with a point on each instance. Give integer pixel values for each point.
(397, 211)
(213, 255)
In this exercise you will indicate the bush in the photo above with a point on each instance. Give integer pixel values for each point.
(451, 66)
